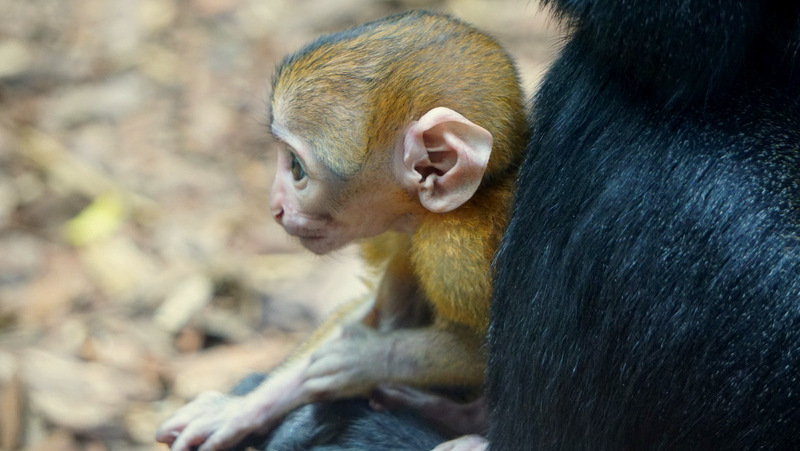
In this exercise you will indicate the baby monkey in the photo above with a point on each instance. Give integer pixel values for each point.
(404, 134)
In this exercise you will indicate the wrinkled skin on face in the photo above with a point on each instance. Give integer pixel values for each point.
(325, 212)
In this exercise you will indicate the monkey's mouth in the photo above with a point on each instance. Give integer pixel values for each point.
(310, 237)
(303, 233)
(319, 245)
(316, 240)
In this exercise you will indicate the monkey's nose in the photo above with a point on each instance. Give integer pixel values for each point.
(278, 214)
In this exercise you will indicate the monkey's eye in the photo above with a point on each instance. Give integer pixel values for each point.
(298, 173)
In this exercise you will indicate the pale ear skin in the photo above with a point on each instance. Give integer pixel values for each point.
(444, 158)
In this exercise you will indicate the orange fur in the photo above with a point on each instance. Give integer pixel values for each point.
(346, 105)
(396, 70)
(351, 95)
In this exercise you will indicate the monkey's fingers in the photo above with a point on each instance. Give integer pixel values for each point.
(206, 402)
(194, 434)
(250, 416)
(331, 363)
(394, 396)
(346, 363)
(465, 443)
(226, 425)
(336, 386)
(444, 413)
(225, 438)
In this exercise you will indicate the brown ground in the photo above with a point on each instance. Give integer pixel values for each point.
(139, 264)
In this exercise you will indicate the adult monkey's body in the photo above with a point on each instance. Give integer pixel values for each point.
(648, 285)
(407, 132)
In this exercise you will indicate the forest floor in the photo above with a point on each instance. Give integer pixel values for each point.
(139, 263)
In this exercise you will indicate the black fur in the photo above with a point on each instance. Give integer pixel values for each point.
(648, 288)
(347, 425)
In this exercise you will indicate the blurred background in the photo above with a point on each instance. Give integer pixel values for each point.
(139, 263)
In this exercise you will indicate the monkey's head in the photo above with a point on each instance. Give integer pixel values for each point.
(390, 122)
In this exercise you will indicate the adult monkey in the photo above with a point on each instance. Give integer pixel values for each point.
(648, 287)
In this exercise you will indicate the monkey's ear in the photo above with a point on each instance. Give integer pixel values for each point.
(445, 156)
